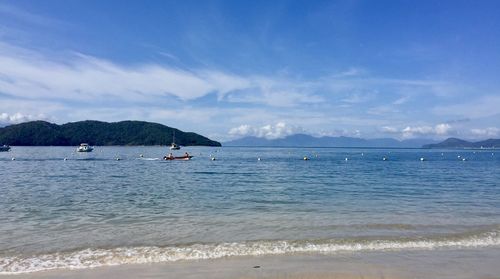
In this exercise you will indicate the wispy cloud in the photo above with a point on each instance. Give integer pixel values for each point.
(10, 11)
(27, 75)
(482, 106)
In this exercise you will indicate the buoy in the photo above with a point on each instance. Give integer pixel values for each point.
(464, 159)
(213, 158)
(141, 155)
(346, 159)
(65, 159)
(422, 159)
(458, 156)
(258, 159)
(13, 159)
(305, 158)
(384, 159)
(118, 159)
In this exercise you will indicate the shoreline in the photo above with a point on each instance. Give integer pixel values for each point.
(457, 264)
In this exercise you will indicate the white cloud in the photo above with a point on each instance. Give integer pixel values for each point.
(486, 132)
(8, 119)
(279, 130)
(390, 130)
(443, 129)
(439, 130)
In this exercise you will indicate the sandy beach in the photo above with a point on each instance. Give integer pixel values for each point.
(457, 264)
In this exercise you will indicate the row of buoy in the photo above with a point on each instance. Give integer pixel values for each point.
(305, 158)
(383, 159)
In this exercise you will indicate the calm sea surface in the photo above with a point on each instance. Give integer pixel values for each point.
(93, 210)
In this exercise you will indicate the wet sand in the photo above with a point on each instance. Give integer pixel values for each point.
(456, 264)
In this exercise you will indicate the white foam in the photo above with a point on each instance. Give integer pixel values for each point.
(90, 258)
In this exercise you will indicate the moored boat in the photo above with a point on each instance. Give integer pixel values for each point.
(174, 146)
(4, 148)
(84, 147)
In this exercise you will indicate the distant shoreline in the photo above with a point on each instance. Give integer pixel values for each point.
(280, 147)
(348, 147)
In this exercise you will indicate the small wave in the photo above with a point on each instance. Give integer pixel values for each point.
(149, 159)
(90, 258)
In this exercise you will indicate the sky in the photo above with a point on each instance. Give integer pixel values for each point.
(228, 69)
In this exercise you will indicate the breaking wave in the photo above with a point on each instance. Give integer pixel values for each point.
(90, 258)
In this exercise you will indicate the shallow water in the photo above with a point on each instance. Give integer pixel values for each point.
(91, 209)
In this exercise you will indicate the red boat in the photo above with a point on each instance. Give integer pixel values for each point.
(184, 158)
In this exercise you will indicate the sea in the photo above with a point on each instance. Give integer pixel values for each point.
(60, 209)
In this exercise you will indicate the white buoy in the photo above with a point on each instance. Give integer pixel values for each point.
(464, 159)
(384, 159)
(258, 159)
(458, 156)
(141, 155)
(346, 159)
(65, 159)
(213, 158)
(13, 159)
(422, 159)
(118, 159)
(305, 158)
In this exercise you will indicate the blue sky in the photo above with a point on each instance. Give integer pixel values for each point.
(227, 69)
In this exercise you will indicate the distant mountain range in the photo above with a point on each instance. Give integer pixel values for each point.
(302, 140)
(41, 133)
(458, 143)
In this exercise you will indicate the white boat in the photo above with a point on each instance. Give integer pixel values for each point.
(4, 148)
(174, 146)
(84, 147)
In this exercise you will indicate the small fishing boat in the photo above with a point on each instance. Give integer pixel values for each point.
(182, 158)
(84, 147)
(4, 148)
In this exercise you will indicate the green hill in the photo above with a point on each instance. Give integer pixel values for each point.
(41, 133)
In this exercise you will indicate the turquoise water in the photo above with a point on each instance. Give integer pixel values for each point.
(93, 210)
